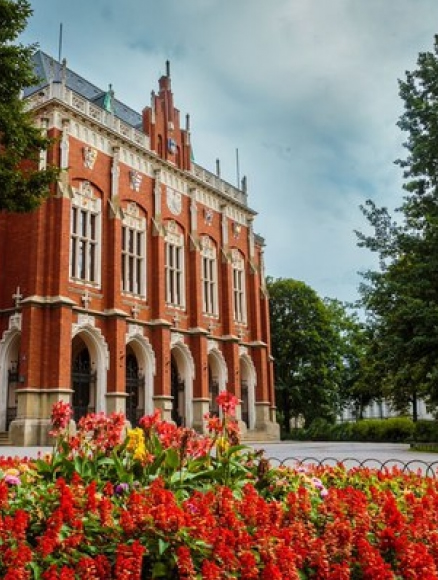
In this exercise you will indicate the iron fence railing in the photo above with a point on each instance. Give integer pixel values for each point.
(411, 466)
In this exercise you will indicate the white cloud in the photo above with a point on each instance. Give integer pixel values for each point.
(307, 90)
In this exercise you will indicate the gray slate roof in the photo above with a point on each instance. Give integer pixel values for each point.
(48, 70)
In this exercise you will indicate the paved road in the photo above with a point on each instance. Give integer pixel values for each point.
(355, 454)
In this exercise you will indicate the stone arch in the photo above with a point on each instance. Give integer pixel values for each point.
(248, 383)
(9, 353)
(147, 364)
(218, 373)
(186, 370)
(99, 357)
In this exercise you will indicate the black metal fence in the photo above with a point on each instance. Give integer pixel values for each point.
(413, 466)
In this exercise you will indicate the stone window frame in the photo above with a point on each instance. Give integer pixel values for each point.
(209, 277)
(174, 266)
(133, 255)
(239, 287)
(85, 236)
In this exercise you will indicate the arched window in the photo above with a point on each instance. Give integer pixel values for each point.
(85, 235)
(133, 251)
(174, 266)
(239, 286)
(209, 276)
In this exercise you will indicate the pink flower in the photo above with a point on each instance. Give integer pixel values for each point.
(12, 479)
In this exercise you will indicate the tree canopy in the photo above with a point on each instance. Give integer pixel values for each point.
(401, 298)
(306, 352)
(22, 185)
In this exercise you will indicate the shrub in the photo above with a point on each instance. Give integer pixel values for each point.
(426, 431)
(395, 430)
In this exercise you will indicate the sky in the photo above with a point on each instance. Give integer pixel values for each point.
(299, 96)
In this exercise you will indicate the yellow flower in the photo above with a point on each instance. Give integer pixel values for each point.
(222, 444)
(135, 439)
(12, 471)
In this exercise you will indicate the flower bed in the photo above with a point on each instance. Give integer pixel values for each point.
(165, 502)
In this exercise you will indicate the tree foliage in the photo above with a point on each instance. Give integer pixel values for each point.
(401, 298)
(355, 388)
(22, 185)
(306, 352)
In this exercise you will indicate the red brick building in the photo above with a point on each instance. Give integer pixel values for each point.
(139, 283)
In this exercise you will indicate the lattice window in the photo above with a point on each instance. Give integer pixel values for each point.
(175, 272)
(209, 276)
(239, 287)
(133, 251)
(85, 235)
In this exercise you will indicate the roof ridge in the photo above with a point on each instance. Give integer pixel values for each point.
(82, 86)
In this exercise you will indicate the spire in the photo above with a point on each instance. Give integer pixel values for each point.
(167, 68)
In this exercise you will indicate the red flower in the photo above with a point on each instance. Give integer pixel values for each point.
(129, 561)
(211, 571)
(185, 563)
(227, 402)
(61, 415)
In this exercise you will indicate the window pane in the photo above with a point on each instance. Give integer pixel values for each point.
(92, 227)
(83, 223)
(92, 276)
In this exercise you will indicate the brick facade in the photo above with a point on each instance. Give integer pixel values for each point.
(139, 283)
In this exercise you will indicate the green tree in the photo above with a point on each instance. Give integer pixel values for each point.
(306, 352)
(22, 185)
(352, 335)
(402, 296)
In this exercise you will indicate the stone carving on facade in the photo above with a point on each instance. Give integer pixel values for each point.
(90, 156)
(208, 216)
(157, 193)
(84, 320)
(135, 179)
(15, 322)
(134, 330)
(176, 337)
(86, 189)
(236, 257)
(207, 246)
(243, 350)
(174, 200)
(64, 146)
(237, 228)
(115, 172)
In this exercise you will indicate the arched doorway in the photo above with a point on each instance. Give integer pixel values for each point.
(247, 391)
(83, 381)
(213, 392)
(11, 396)
(245, 401)
(217, 376)
(135, 407)
(177, 388)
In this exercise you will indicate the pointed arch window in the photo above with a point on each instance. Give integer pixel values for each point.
(209, 276)
(133, 251)
(85, 235)
(174, 266)
(239, 287)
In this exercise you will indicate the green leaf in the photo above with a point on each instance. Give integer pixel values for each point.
(162, 546)
(36, 570)
(172, 458)
(160, 570)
